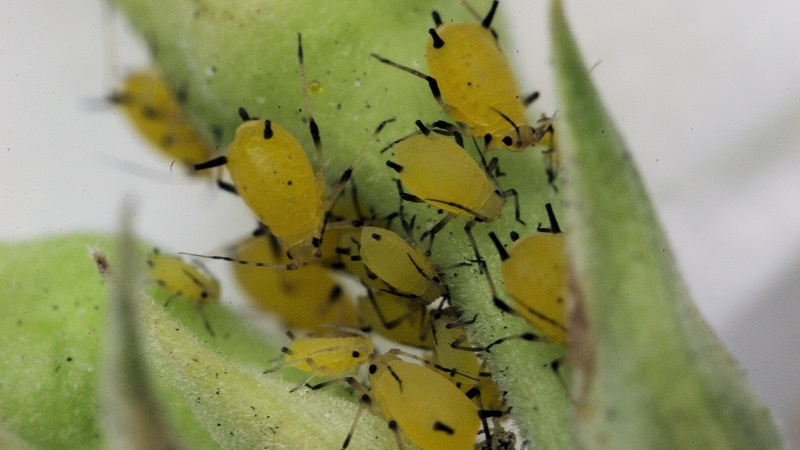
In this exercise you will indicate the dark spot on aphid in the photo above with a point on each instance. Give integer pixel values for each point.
(216, 131)
(267, 129)
(393, 425)
(508, 141)
(439, 426)
(356, 354)
(289, 183)
(514, 236)
(316, 242)
(149, 112)
(376, 236)
(373, 368)
(69, 358)
(182, 95)
(338, 106)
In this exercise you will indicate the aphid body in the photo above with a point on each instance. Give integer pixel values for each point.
(273, 175)
(430, 410)
(329, 356)
(156, 112)
(460, 185)
(184, 280)
(477, 83)
(473, 82)
(535, 274)
(405, 269)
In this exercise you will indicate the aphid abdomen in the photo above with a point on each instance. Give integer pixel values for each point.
(274, 177)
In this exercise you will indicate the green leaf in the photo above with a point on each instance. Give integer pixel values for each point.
(648, 372)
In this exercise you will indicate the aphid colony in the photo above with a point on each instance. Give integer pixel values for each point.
(305, 235)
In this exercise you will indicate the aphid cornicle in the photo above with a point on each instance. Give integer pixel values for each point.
(156, 112)
(184, 280)
(273, 175)
(473, 82)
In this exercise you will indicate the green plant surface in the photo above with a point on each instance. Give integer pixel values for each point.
(226, 55)
(648, 371)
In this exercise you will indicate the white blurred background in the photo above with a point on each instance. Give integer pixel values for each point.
(706, 93)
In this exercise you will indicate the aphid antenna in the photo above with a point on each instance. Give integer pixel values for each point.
(292, 266)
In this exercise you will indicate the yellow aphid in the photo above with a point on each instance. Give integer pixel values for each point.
(156, 112)
(453, 349)
(474, 84)
(460, 186)
(183, 280)
(535, 274)
(449, 334)
(332, 356)
(304, 298)
(404, 268)
(429, 410)
(273, 175)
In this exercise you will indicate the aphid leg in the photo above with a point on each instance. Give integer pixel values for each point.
(554, 228)
(483, 414)
(170, 298)
(432, 84)
(216, 162)
(227, 187)
(512, 193)
(312, 124)
(341, 184)
(408, 227)
(206, 323)
(364, 400)
(334, 298)
(487, 21)
(500, 304)
(530, 98)
(492, 169)
(436, 228)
